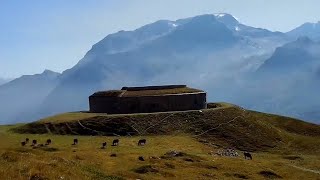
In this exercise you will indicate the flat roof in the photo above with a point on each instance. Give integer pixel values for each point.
(148, 91)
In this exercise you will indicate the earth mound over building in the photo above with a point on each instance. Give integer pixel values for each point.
(148, 99)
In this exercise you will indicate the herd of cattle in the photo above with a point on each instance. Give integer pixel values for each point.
(115, 142)
(141, 142)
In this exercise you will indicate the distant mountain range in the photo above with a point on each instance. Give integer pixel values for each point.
(300, 55)
(312, 30)
(231, 61)
(20, 97)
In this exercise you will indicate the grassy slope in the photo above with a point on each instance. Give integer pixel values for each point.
(88, 161)
(279, 144)
(226, 125)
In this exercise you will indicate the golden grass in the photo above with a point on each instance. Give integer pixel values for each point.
(87, 161)
(227, 125)
(70, 116)
(285, 147)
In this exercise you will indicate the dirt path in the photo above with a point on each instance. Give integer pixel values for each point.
(305, 169)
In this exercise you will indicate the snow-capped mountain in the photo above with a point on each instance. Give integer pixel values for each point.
(214, 52)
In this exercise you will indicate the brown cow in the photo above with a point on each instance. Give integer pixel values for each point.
(142, 142)
(247, 155)
(115, 142)
(48, 142)
(104, 145)
(75, 141)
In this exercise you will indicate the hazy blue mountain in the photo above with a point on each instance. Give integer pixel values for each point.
(312, 30)
(233, 24)
(3, 81)
(21, 96)
(300, 55)
(214, 52)
(287, 83)
(200, 44)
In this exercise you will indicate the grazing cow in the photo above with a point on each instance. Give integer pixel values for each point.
(27, 140)
(115, 142)
(75, 141)
(48, 142)
(247, 155)
(23, 143)
(34, 142)
(142, 142)
(104, 145)
(141, 158)
(113, 155)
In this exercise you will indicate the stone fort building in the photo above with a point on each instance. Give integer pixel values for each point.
(148, 99)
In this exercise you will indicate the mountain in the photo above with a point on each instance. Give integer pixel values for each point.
(312, 30)
(2, 81)
(21, 96)
(214, 52)
(233, 24)
(288, 82)
(300, 55)
(152, 54)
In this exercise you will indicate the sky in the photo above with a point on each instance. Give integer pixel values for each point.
(55, 34)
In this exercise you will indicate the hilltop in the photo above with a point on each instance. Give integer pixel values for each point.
(179, 145)
(222, 123)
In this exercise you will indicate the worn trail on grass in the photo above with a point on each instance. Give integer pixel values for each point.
(305, 169)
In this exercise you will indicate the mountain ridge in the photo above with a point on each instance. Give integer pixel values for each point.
(165, 52)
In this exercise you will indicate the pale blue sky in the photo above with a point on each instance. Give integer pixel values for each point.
(55, 34)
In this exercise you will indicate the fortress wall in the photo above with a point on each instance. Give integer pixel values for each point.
(147, 104)
(104, 104)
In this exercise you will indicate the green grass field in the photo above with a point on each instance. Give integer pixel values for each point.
(282, 148)
(86, 160)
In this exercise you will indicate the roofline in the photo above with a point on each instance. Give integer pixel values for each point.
(178, 94)
(141, 88)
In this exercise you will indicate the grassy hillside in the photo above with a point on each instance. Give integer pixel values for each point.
(282, 147)
(225, 124)
(86, 160)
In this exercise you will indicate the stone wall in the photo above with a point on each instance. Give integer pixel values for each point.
(146, 104)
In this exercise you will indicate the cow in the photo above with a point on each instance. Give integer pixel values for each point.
(247, 155)
(141, 158)
(142, 142)
(75, 141)
(115, 142)
(34, 142)
(48, 142)
(104, 145)
(23, 143)
(27, 140)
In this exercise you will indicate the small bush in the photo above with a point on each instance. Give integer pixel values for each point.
(97, 174)
(171, 166)
(9, 157)
(240, 176)
(146, 169)
(38, 177)
(269, 174)
(50, 149)
(293, 157)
